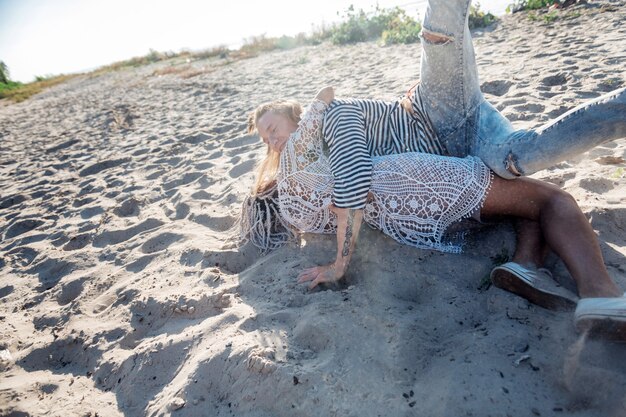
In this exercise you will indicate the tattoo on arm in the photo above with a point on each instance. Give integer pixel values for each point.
(346, 243)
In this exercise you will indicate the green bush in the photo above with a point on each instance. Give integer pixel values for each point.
(288, 42)
(354, 29)
(478, 19)
(18, 92)
(519, 5)
(8, 86)
(545, 17)
(550, 17)
(4, 73)
(401, 29)
(393, 25)
(390, 25)
(319, 35)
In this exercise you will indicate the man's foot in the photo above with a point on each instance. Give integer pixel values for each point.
(535, 285)
(604, 317)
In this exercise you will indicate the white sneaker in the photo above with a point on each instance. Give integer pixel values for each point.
(606, 316)
(535, 285)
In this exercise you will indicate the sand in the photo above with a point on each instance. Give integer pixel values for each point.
(120, 296)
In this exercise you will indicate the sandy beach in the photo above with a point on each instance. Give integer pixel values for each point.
(121, 295)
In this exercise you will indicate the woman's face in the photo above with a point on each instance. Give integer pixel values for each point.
(275, 129)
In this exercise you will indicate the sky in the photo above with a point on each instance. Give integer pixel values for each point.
(50, 37)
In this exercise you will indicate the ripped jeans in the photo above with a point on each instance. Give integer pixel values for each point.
(468, 125)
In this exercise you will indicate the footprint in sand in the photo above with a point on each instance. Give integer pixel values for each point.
(11, 201)
(86, 227)
(513, 101)
(231, 262)
(50, 272)
(155, 174)
(553, 114)
(610, 160)
(607, 85)
(160, 242)
(202, 195)
(312, 337)
(45, 194)
(186, 179)
(195, 139)
(171, 161)
(90, 189)
(89, 212)
(597, 185)
(203, 166)
(242, 168)
(182, 211)
(191, 257)
(220, 129)
(586, 95)
(22, 227)
(6, 290)
(140, 264)
(147, 317)
(104, 301)
(78, 242)
(216, 223)
(60, 353)
(496, 88)
(241, 141)
(553, 80)
(21, 256)
(63, 145)
(216, 154)
(82, 201)
(140, 152)
(118, 236)
(102, 166)
(227, 199)
(128, 208)
(529, 107)
(70, 291)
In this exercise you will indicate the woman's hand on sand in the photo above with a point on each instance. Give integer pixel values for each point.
(326, 94)
(320, 274)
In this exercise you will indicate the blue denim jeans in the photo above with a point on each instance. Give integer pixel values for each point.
(468, 125)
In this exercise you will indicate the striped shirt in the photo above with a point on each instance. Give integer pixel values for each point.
(355, 130)
(414, 196)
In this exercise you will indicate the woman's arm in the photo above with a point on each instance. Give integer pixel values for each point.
(307, 142)
(348, 226)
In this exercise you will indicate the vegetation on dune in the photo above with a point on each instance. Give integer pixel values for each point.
(17, 91)
(138, 61)
(390, 26)
(4, 73)
(520, 5)
(546, 11)
(478, 19)
(525, 5)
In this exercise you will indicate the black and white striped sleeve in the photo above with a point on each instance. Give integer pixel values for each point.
(350, 161)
